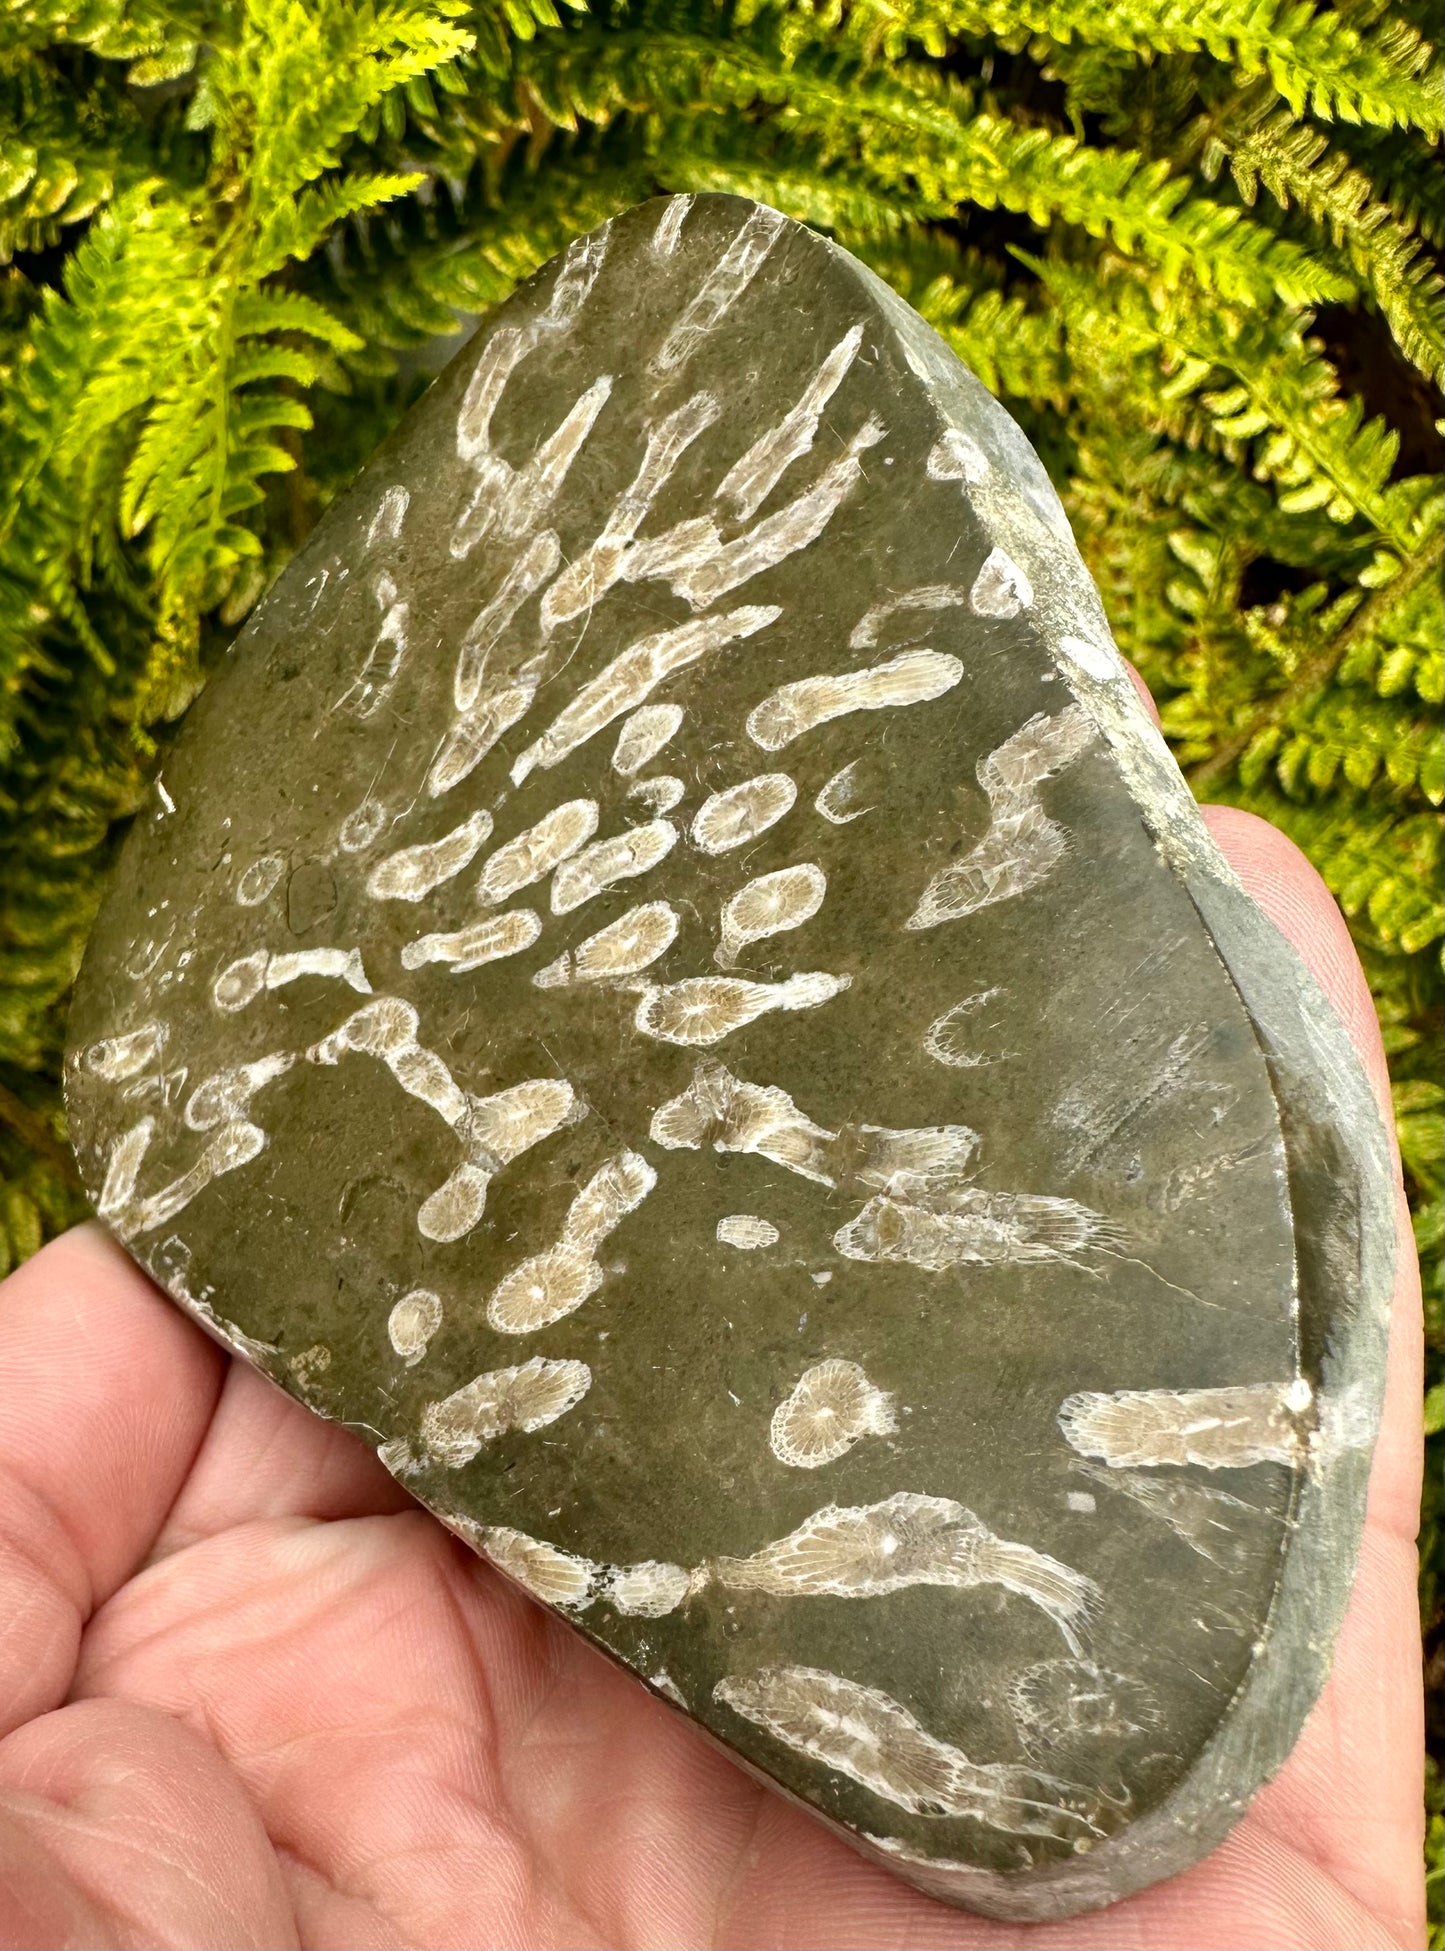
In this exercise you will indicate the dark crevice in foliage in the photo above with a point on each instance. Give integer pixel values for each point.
(1359, 346)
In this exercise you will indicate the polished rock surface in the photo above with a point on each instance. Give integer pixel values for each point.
(671, 984)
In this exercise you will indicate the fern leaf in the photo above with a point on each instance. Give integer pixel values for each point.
(1313, 57)
(1294, 162)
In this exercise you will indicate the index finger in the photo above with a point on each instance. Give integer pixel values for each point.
(105, 1394)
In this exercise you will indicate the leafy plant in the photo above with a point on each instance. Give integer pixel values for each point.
(1194, 247)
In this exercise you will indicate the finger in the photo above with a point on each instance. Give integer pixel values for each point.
(1146, 696)
(266, 1456)
(1282, 881)
(105, 1392)
(438, 1749)
(120, 1826)
(1351, 1794)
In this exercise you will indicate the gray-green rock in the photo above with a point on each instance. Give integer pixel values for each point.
(671, 980)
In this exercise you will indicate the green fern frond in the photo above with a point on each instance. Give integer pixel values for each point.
(60, 152)
(1015, 346)
(920, 137)
(1263, 386)
(1313, 57)
(1408, 175)
(1295, 163)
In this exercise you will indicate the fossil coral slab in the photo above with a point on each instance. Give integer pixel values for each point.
(671, 981)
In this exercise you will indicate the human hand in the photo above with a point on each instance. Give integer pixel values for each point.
(251, 1695)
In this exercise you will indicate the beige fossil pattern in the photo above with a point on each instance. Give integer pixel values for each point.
(524, 1398)
(739, 813)
(413, 872)
(412, 1323)
(904, 617)
(837, 798)
(950, 1038)
(747, 1231)
(914, 677)
(532, 854)
(1220, 1429)
(559, 1279)
(869, 1550)
(259, 879)
(974, 1228)
(643, 736)
(659, 792)
(117, 1058)
(578, 661)
(623, 857)
(831, 1407)
(1069, 1702)
(1001, 588)
(464, 949)
(1212, 1522)
(647, 1590)
(863, 1733)
(634, 941)
(1022, 845)
(557, 1578)
(705, 1009)
(770, 905)
(242, 981)
(633, 675)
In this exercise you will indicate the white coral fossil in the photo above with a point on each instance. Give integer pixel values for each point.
(832, 1406)
(871, 1738)
(872, 1549)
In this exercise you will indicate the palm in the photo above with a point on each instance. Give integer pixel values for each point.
(298, 1712)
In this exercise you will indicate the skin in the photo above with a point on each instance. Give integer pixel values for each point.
(251, 1695)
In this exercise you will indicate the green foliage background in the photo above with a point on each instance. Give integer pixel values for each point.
(1194, 245)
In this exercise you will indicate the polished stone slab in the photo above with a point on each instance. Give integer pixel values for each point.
(671, 981)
